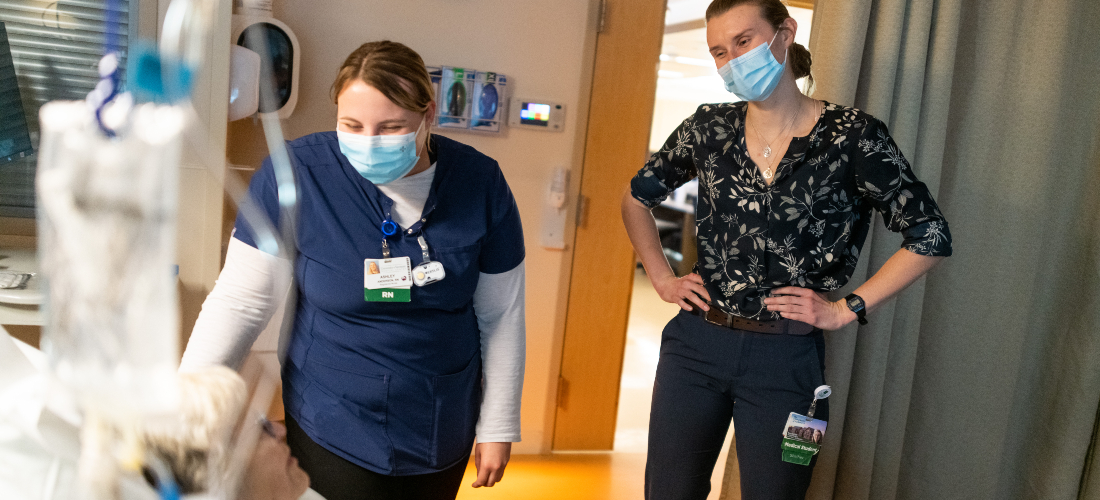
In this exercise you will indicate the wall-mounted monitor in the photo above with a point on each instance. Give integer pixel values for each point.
(537, 114)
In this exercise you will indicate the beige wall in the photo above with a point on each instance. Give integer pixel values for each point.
(546, 49)
(200, 203)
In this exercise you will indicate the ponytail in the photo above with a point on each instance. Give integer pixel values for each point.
(800, 65)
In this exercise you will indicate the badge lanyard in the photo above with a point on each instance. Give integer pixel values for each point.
(389, 279)
(803, 434)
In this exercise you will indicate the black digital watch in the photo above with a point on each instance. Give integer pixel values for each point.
(855, 303)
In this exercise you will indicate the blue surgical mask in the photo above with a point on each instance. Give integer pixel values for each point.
(754, 75)
(381, 159)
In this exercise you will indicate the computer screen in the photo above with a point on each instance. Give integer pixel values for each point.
(15, 138)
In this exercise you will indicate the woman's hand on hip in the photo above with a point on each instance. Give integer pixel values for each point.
(490, 459)
(687, 292)
(808, 306)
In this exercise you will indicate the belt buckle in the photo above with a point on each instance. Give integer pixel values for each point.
(724, 322)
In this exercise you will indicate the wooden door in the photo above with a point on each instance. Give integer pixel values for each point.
(620, 116)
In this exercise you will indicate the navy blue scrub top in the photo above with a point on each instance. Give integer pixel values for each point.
(392, 387)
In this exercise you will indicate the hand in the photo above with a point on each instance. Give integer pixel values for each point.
(808, 306)
(490, 459)
(685, 292)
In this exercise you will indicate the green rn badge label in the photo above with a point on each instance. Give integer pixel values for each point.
(387, 295)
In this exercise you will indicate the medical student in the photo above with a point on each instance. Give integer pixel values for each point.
(386, 382)
(787, 189)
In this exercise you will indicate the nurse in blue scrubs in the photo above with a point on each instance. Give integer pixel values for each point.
(408, 338)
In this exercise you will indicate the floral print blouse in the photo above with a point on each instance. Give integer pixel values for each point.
(807, 228)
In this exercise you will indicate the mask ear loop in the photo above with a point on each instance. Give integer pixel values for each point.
(416, 139)
(786, 52)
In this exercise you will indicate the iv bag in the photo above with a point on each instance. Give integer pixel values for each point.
(107, 243)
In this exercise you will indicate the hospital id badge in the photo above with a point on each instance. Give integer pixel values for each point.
(802, 438)
(387, 280)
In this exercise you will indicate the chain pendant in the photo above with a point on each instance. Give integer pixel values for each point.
(767, 151)
(768, 174)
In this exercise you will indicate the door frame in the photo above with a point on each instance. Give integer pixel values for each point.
(624, 86)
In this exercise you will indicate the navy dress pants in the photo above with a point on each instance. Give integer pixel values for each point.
(709, 374)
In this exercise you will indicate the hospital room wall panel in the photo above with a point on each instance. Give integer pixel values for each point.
(200, 195)
(547, 50)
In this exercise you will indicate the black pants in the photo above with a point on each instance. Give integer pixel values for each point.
(707, 375)
(335, 478)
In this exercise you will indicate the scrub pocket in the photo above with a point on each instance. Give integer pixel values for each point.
(350, 414)
(457, 289)
(457, 399)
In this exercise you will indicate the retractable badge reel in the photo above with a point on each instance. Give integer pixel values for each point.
(803, 434)
(389, 228)
(428, 271)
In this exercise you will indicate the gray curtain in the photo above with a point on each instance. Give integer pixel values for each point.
(981, 381)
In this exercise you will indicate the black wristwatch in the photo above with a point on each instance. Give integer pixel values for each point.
(855, 303)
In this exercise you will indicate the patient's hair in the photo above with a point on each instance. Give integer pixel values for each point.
(195, 441)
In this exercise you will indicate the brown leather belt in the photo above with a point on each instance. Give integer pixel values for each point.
(719, 317)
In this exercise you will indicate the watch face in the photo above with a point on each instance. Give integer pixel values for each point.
(855, 303)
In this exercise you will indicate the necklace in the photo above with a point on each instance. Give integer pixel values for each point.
(767, 145)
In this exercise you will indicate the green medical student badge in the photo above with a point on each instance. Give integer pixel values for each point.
(803, 433)
(802, 438)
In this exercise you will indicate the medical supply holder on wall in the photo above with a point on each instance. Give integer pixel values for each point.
(469, 100)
